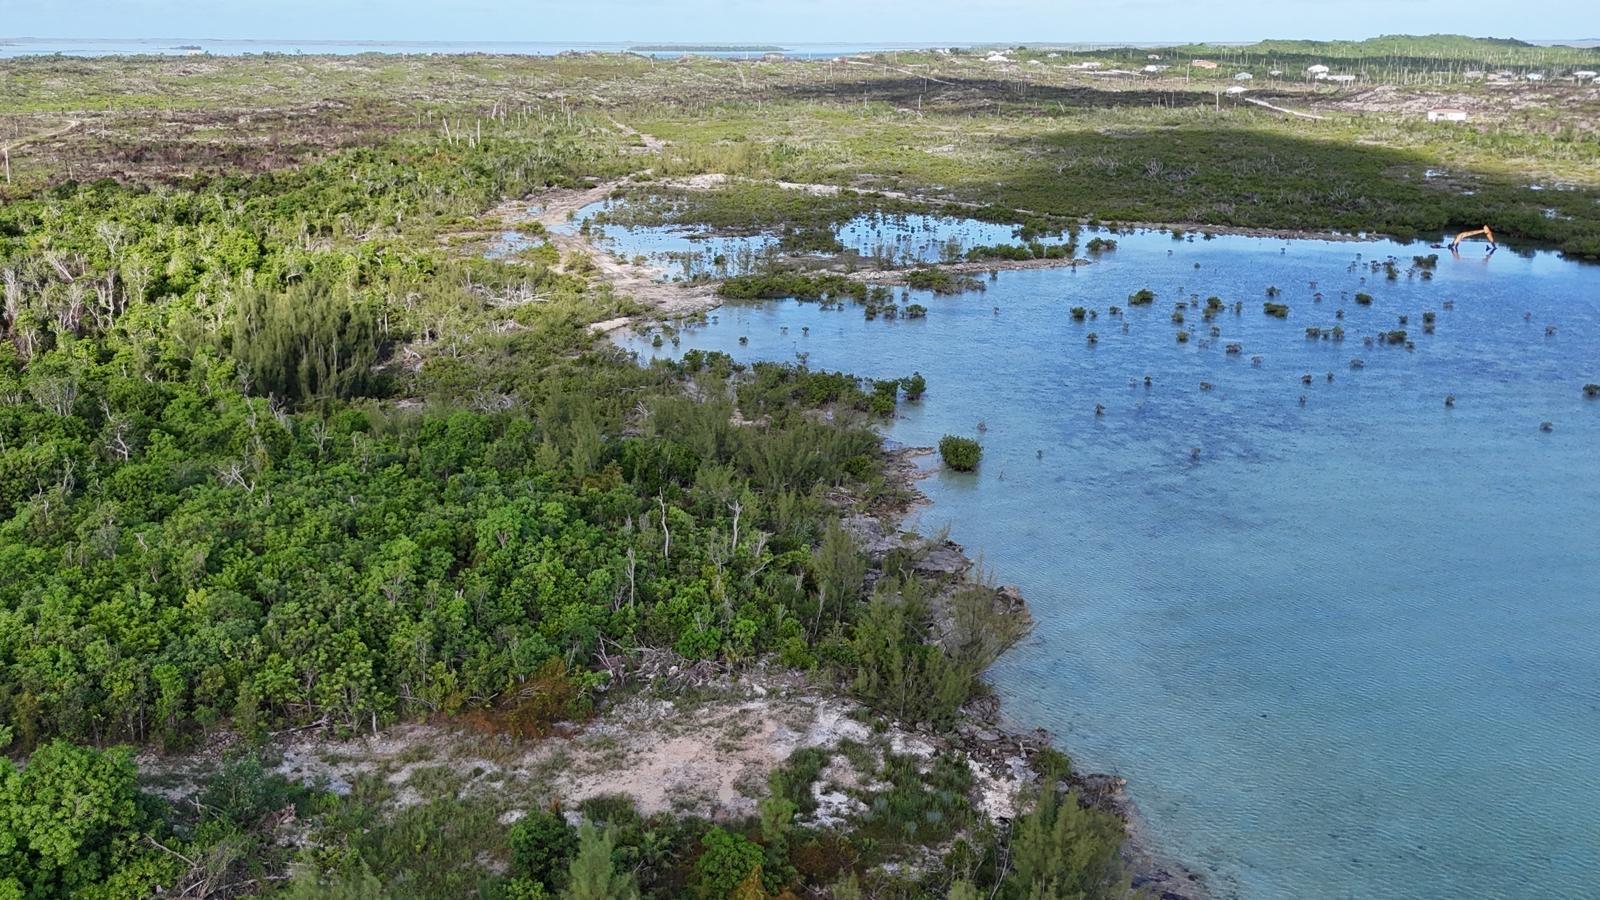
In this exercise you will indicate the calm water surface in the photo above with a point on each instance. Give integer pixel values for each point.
(1349, 648)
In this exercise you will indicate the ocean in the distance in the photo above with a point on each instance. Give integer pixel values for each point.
(1347, 647)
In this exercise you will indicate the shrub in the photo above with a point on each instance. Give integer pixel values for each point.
(959, 453)
(1591, 391)
(942, 282)
(781, 285)
(1276, 310)
(1364, 299)
(1079, 313)
(542, 847)
(914, 386)
(243, 792)
(728, 860)
(1395, 337)
(1142, 297)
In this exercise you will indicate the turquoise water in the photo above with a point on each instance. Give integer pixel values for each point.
(1349, 648)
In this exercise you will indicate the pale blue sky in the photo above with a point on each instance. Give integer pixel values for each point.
(953, 21)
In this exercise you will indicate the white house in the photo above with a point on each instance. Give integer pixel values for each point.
(1153, 68)
(1318, 69)
(1243, 76)
(1275, 73)
(1235, 89)
(1585, 75)
(1535, 76)
(1342, 79)
(1447, 114)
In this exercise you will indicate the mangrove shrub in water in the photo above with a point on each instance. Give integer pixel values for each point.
(959, 453)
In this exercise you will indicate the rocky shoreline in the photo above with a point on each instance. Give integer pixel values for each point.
(986, 735)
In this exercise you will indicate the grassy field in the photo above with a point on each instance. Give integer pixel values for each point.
(1034, 133)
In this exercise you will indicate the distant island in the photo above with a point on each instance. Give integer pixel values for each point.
(705, 48)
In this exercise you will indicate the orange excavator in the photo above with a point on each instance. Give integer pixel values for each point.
(1487, 234)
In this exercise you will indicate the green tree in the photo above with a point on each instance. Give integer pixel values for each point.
(962, 890)
(72, 821)
(542, 846)
(314, 340)
(1064, 850)
(593, 874)
(727, 860)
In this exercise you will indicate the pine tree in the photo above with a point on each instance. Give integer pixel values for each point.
(593, 875)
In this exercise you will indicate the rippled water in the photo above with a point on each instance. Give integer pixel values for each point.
(1349, 648)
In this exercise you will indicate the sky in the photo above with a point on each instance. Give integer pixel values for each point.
(797, 21)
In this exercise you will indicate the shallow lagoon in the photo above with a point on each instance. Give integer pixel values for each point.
(875, 238)
(1352, 648)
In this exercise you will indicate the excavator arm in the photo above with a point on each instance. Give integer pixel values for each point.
(1484, 231)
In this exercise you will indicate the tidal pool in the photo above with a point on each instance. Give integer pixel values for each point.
(1344, 647)
(875, 238)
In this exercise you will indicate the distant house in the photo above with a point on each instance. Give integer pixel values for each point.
(1203, 64)
(1447, 114)
(1235, 89)
(1535, 76)
(1153, 68)
(1275, 73)
(1585, 75)
(1342, 79)
(1316, 70)
(1153, 56)
(1243, 76)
